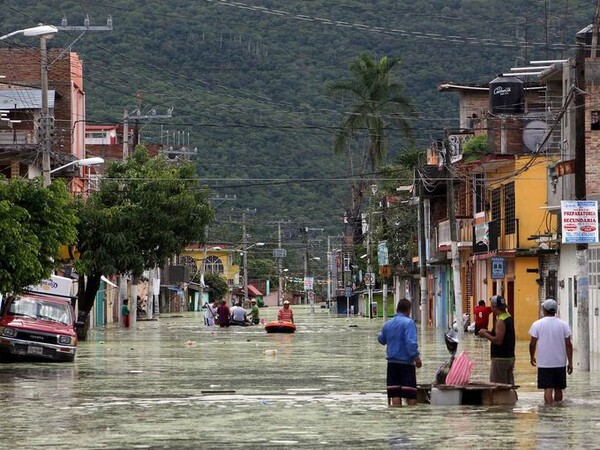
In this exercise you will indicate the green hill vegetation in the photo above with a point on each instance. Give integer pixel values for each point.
(247, 80)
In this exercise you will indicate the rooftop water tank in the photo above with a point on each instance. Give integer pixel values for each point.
(507, 95)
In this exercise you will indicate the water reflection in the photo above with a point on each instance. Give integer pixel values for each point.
(174, 383)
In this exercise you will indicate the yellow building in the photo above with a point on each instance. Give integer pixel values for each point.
(506, 258)
(214, 259)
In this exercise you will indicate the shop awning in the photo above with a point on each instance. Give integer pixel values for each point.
(253, 291)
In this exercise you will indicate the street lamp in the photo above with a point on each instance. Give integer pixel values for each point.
(44, 32)
(40, 30)
(245, 264)
(80, 162)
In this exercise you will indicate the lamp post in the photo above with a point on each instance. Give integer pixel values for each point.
(245, 264)
(44, 32)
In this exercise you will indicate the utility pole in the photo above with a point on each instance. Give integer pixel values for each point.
(46, 122)
(332, 269)
(245, 256)
(423, 259)
(279, 264)
(583, 319)
(329, 273)
(453, 239)
(217, 201)
(136, 115)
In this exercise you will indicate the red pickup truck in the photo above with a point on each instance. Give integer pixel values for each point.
(37, 327)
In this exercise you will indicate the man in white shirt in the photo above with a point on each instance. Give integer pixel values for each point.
(551, 350)
(238, 315)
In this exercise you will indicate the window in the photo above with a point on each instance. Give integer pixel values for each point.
(496, 205)
(479, 183)
(213, 264)
(509, 209)
(595, 120)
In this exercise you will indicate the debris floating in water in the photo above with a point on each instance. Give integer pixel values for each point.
(271, 352)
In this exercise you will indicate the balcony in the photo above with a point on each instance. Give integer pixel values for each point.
(464, 232)
(493, 237)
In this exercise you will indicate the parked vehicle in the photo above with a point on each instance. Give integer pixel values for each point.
(37, 327)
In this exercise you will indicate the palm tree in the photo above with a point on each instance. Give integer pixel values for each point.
(378, 103)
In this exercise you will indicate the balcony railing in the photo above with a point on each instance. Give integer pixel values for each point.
(11, 137)
(464, 232)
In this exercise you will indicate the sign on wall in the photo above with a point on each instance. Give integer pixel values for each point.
(579, 221)
(498, 267)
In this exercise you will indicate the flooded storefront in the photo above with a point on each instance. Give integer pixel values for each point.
(174, 383)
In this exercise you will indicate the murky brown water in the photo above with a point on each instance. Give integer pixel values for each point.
(174, 383)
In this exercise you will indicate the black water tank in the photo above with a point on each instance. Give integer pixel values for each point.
(507, 95)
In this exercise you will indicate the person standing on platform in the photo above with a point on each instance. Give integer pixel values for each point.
(551, 350)
(399, 334)
(502, 339)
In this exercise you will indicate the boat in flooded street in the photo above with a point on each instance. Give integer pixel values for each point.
(175, 383)
(278, 326)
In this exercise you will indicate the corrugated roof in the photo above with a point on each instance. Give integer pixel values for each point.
(24, 99)
(253, 291)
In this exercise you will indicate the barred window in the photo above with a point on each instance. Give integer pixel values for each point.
(496, 205)
(479, 183)
(594, 265)
(509, 209)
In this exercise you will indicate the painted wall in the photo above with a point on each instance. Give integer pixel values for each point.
(527, 303)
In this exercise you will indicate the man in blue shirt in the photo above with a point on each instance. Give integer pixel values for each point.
(400, 335)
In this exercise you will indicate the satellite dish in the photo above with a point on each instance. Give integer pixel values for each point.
(533, 135)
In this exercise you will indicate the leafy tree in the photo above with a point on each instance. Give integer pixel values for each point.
(393, 220)
(475, 147)
(217, 286)
(146, 211)
(34, 222)
(378, 103)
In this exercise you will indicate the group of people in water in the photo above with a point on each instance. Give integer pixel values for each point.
(218, 313)
(550, 349)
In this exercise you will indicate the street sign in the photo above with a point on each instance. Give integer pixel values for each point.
(498, 267)
(369, 278)
(385, 271)
(348, 291)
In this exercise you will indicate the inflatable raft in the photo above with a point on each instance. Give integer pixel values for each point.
(280, 327)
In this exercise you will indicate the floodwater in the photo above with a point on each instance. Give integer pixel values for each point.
(174, 383)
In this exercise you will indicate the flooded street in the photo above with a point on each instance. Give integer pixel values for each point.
(174, 383)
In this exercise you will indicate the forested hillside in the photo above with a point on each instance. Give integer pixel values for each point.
(247, 79)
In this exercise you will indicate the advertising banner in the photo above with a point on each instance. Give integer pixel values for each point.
(382, 254)
(308, 283)
(579, 221)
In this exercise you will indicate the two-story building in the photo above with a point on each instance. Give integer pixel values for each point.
(499, 200)
(21, 98)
